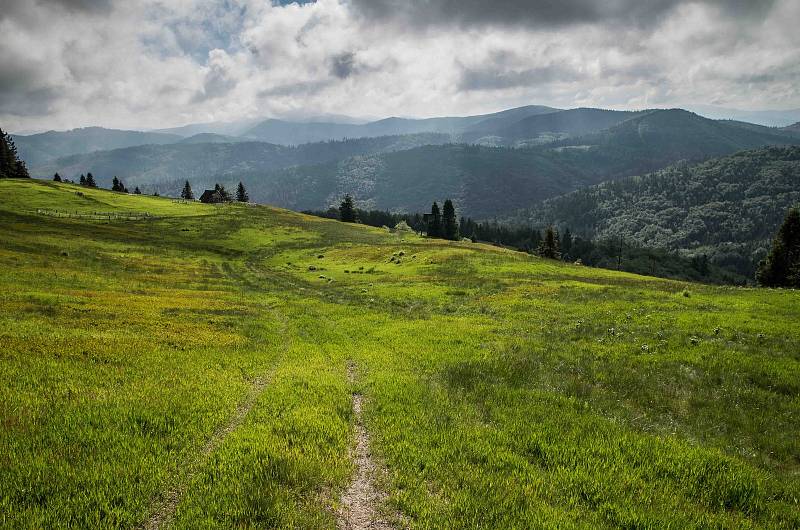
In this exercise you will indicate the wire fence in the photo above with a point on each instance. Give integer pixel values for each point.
(96, 216)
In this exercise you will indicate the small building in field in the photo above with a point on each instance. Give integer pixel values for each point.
(211, 197)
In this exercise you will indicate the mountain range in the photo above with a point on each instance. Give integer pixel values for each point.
(489, 181)
(407, 172)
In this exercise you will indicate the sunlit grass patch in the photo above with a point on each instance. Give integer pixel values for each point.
(499, 390)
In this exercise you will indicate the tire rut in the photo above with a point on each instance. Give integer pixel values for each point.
(165, 510)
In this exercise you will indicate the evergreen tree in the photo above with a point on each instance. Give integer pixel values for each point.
(347, 210)
(187, 192)
(115, 184)
(5, 156)
(83, 180)
(21, 170)
(435, 222)
(226, 197)
(241, 194)
(10, 164)
(449, 223)
(566, 244)
(90, 182)
(781, 268)
(549, 247)
(56, 178)
(137, 191)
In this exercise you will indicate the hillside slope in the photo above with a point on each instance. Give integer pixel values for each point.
(566, 123)
(205, 367)
(38, 149)
(728, 208)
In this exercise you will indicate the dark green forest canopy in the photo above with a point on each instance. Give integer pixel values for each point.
(727, 208)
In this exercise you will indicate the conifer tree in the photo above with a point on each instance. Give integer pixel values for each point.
(241, 194)
(5, 156)
(115, 184)
(449, 223)
(83, 180)
(11, 166)
(56, 178)
(566, 244)
(549, 247)
(226, 197)
(187, 192)
(347, 210)
(435, 222)
(90, 182)
(137, 191)
(781, 268)
(21, 170)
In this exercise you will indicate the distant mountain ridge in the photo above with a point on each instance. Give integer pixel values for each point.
(156, 165)
(517, 127)
(39, 148)
(284, 132)
(487, 182)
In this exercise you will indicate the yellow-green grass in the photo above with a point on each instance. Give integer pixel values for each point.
(501, 390)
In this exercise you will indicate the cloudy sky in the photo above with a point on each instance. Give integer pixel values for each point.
(159, 63)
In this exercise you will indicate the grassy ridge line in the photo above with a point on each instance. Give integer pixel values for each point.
(500, 390)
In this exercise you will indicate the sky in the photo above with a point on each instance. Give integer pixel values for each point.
(163, 63)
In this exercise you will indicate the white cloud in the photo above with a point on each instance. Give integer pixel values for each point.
(155, 63)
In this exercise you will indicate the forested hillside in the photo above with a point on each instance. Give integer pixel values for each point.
(659, 138)
(492, 181)
(556, 125)
(482, 180)
(727, 208)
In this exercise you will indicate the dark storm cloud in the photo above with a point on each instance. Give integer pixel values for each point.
(81, 5)
(343, 65)
(492, 78)
(541, 13)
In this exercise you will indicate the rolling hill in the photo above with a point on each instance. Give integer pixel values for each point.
(214, 367)
(728, 208)
(38, 149)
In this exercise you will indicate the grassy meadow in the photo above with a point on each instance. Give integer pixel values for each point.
(192, 368)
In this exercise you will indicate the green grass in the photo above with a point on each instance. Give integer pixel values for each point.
(501, 390)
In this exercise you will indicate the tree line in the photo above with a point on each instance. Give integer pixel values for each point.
(440, 223)
(547, 242)
(11, 166)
